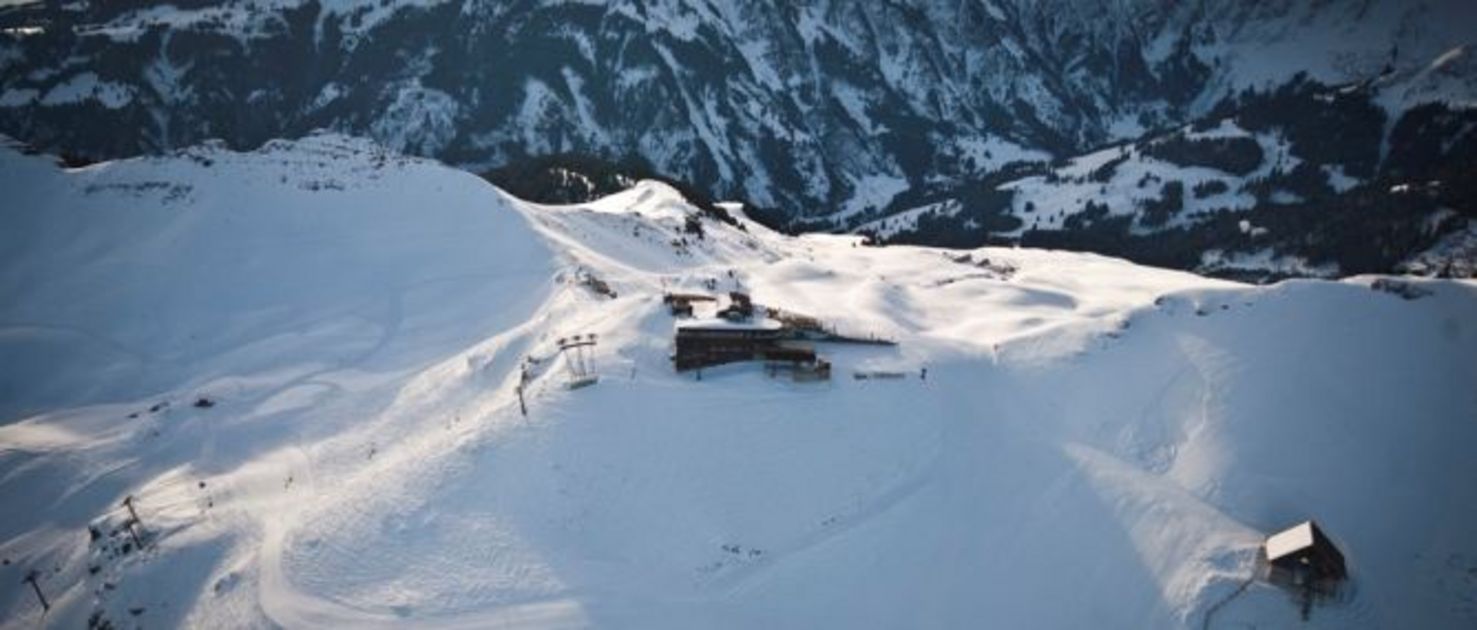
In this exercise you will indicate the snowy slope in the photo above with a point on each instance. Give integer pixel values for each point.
(1095, 443)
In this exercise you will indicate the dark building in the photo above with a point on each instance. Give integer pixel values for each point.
(682, 303)
(715, 342)
(740, 308)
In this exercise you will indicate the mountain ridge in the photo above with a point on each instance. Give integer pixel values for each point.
(703, 90)
(824, 116)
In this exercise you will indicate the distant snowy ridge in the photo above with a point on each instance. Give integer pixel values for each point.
(305, 364)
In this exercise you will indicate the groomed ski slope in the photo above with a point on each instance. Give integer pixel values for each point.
(1096, 444)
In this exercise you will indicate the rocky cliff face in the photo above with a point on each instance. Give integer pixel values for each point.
(836, 113)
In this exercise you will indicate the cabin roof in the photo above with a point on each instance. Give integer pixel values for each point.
(718, 323)
(1291, 540)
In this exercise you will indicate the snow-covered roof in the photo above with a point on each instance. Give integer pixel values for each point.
(1297, 538)
(718, 323)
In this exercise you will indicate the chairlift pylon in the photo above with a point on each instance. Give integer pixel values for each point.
(579, 360)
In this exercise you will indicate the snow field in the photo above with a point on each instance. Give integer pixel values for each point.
(1095, 444)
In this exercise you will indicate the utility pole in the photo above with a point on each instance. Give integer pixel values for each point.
(590, 353)
(134, 535)
(31, 578)
(522, 380)
(128, 503)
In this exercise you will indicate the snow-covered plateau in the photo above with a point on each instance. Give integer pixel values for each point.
(304, 366)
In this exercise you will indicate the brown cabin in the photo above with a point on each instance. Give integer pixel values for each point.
(1303, 557)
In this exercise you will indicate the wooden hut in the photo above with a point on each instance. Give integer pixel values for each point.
(1302, 557)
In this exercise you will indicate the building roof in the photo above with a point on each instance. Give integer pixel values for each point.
(718, 323)
(1292, 540)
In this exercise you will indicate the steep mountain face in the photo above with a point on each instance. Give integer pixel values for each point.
(822, 115)
(820, 109)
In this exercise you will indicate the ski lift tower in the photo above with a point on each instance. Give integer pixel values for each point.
(579, 358)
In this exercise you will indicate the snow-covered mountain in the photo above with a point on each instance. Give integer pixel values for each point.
(304, 365)
(819, 110)
(1239, 195)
